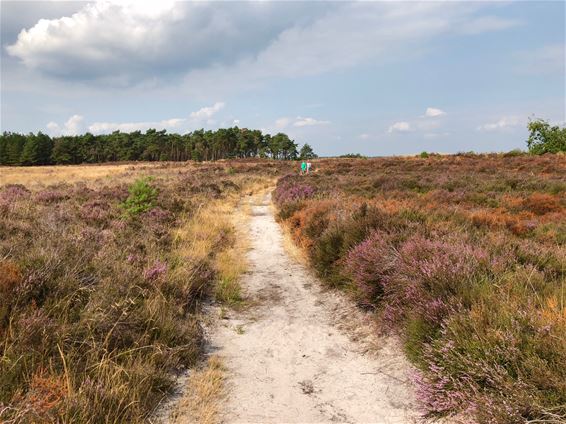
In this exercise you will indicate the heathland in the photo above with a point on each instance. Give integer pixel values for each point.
(104, 271)
(101, 280)
(464, 257)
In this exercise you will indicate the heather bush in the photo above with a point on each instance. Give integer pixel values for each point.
(463, 257)
(288, 209)
(291, 189)
(370, 264)
(50, 196)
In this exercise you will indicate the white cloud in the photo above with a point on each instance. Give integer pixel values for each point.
(298, 122)
(422, 123)
(432, 112)
(236, 122)
(128, 41)
(308, 122)
(506, 123)
(364, 136)
(206, 113)
(401, 126)
(53, 128)
(74, 125)
(108, 127)
(487, 24)
(223, 43)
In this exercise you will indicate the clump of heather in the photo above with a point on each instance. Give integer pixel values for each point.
(95, 211)
(442, 268)
(12, 192)
(155, 271)
(370, 264)
(292, 189)
(51, 196)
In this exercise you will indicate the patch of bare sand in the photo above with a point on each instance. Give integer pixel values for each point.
(301, 354)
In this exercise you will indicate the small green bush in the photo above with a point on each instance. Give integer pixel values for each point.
(142, 197)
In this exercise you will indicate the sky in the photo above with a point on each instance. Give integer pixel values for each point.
(377, 77)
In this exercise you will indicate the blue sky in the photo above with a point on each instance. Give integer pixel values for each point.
(379, 78)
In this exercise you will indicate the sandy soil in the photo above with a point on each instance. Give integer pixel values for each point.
(302, 355)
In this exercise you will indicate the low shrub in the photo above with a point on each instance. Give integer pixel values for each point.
(370, 264)
(142, 197)
(541, 203)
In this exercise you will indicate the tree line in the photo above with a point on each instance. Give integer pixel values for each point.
(153, 145)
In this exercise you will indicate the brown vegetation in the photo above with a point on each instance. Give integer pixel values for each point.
(101, 284)
(464, 256)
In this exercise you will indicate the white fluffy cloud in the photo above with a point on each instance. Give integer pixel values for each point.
(401, 126)
(425, 123)
(299, 122)
(207, 112)
(73, 126)
(505, 123)
(128, 41)
(108, 127)
(432, 112)
(125, 41)
(308, 122)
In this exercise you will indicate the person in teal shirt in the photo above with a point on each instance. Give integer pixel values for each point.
(303, 167)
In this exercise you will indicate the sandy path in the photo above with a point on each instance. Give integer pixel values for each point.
(290, 358)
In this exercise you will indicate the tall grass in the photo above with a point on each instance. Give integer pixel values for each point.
(465, 257)
(99, 308)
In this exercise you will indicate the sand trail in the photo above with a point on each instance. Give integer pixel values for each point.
(300, 354)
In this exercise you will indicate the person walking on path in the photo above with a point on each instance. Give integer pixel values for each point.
(304, 168)
(309, 166)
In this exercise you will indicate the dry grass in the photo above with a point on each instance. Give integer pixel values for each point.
(104, 304)
(205, 390)
(32, 176)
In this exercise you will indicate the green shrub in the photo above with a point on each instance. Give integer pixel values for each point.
(142, 197)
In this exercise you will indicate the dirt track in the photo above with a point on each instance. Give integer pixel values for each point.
(292, 357)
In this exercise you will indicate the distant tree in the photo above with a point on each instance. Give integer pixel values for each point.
(68, 150)
(307, 152)
(153, 145)
(544, 138)
(11, 148)
(282, 147)
(37, 150)
(353, 156)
